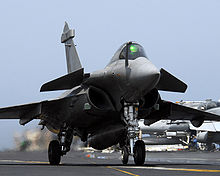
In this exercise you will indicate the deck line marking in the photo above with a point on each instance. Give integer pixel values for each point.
(193, 159)
(173, 169)
(28, 162)
(128, 167)
(125, 172)
(119, 170)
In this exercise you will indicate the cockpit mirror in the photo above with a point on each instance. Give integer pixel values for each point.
(122, 55)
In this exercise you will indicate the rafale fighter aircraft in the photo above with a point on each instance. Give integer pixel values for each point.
(103, 107)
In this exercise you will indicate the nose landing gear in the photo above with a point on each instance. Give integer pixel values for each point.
(135, 149)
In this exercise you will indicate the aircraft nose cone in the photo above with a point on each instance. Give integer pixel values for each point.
(146, 75)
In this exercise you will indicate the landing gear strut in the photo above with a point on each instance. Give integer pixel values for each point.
(135, 149)
(60, 147)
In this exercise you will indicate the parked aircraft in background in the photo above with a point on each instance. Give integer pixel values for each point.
(209, 132)
(166, 132)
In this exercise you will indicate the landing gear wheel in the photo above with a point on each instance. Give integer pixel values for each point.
(139, 153)
(54, 152)
(125, 155)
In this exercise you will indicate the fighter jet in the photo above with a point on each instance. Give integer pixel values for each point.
(163, 127)
(103, 107)
(208, 133)
(166, 132)
(171, 132)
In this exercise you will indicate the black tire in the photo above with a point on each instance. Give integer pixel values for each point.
(125, 155)
(139, 153)
(54, 152)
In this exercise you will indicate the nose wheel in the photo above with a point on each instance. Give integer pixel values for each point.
(135, 149)
(139, 152)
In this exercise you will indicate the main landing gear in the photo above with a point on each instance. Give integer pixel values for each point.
(54, 152)
(60, 147)
(135, 149)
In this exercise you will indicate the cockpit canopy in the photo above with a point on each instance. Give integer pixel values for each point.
(130, 50)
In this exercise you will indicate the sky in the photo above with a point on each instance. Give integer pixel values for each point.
(182, 37)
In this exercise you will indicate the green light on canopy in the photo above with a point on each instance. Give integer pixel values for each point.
(133, 48)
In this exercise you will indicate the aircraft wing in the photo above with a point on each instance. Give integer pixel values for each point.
(25, 113)
(43, 110)
(172, 111)
(214, 110)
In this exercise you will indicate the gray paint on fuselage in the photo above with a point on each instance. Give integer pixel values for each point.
(130, 82)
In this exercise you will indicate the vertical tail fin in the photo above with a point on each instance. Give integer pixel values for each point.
(72, 58)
